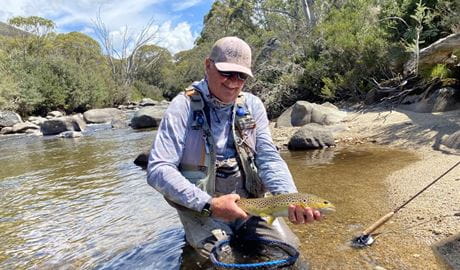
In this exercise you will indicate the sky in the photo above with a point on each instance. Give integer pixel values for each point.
(177, 23)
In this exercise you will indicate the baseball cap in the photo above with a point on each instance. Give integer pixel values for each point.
(232, 54)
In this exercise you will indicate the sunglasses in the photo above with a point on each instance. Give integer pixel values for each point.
(230, 74)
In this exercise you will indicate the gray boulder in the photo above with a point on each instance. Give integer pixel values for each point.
(441, 51)
(24, 127)
(54, 114)
(142, 159)
(120, 121)
(148, 117)
(304, 112)
(452, 141)
(311, 136)
(70, 134)
(6, 130)
(62, 124)
(148, 102)
(37, 120)
(9, 118)
(99, 116)
(439, 100)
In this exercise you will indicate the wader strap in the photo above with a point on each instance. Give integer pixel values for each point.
(201, 121)
(243, 120)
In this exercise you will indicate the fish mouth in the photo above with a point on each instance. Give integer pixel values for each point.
(327, 210)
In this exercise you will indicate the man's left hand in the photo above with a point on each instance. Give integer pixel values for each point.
(303, 215)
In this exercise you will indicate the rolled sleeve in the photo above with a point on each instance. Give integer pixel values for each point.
(165, 156)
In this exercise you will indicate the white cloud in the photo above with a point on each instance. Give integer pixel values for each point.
(176, 38)
(116, 15)
(185, 4)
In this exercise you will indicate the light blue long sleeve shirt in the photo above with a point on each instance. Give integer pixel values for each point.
(169, 144)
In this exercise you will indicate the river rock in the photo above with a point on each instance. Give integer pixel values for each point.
(24, 127)
(120, 121)
(6, 130)
(148, 117)
(62, 124)
(142, 159)
(311, 136)
(9, 118)
(148, 102)
(304, 112)
(54, 114)
(37, 120)
(99, 116)
(70, 134)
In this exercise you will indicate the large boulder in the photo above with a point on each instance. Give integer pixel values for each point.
(304, 112)
(99, 116)
(148, 117)
(311, 136)
(9, 119)
(445, 50)
(439, 100)
(452, 141)
(62, 124)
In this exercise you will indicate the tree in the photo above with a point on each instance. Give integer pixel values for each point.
(36, 31)
(123, 60)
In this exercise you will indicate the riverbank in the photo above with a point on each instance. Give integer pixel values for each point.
(435, 214)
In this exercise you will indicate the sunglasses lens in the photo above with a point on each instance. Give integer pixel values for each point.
(240, 76)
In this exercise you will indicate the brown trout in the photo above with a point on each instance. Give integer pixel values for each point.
(277, 206)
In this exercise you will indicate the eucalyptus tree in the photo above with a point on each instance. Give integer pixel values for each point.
(36, 30)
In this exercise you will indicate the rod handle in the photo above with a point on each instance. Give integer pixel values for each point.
(378, 223)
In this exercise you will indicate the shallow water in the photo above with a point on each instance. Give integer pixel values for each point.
(82, 204)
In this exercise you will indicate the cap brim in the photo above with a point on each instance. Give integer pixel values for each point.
(233, 67)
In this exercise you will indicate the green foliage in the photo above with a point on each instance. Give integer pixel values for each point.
(439, 71)
(348, 47)
(143, 89)
(35, 25)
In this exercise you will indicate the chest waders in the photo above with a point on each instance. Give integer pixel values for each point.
(243, 131)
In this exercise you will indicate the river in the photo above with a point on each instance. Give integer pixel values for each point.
(83, 204)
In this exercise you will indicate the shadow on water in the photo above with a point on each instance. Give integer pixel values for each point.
(82, 204)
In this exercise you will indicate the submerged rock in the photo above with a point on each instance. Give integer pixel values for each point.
(312, 136)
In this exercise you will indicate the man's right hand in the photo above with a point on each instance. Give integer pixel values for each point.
(225, 208)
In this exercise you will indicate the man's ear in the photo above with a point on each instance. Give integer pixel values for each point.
(207, 64)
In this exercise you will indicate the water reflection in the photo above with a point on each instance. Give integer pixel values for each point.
(164, 251)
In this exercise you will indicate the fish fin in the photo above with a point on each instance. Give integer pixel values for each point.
(270, 219)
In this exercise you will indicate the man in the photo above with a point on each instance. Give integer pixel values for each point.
(214, 146)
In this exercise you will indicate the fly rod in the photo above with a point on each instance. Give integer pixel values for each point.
(366, 239)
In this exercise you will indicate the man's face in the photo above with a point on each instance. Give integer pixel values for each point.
(226, 89)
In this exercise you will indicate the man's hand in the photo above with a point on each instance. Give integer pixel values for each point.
(301, 215)
(225, 208)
